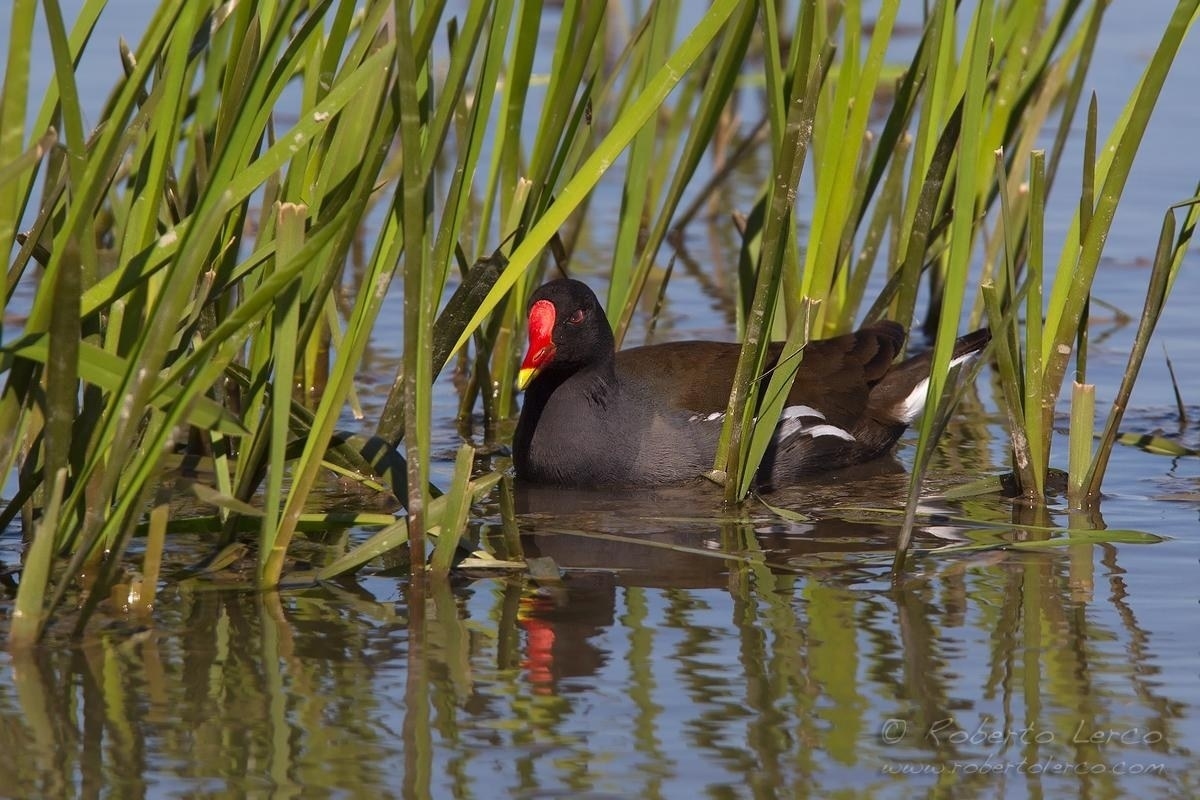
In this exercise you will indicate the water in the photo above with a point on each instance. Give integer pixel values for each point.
(688, 651)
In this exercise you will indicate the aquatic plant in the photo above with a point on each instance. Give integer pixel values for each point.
(208, 261)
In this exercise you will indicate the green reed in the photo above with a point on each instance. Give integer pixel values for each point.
(1033, 365)
(252, 161)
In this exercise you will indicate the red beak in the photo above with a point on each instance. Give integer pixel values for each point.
(541, 343)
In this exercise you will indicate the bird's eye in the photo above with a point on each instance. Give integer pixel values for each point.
(576, 317)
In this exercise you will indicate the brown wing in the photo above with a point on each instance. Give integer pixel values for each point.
(688, 376)
(835, 374)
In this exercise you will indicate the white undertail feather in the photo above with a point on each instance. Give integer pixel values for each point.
(793, 421)
(912, 406)
(801, 411)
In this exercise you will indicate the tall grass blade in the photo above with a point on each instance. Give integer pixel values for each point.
(454, 518)
(1035, 415)
(1077, 266)
(62, 368)
(418, 296)
(29, 609)
(285, 323)
(597, 164)
(193, 251)
(1006, 357)
(970, 156)
(1079, 451)
(1168, 259)
(733, 457)
(375, 106)
(14, 100)
(702, 124)
(775, 394)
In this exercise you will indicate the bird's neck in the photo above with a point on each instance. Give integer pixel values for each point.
(597, 381)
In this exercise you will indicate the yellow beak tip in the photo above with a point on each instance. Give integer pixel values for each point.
(524, 377)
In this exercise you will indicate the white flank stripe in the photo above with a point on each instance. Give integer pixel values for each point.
(792, 412)
(806, 421)
(790, 428)
(828, 430)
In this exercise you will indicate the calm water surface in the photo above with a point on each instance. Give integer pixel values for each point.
(688, 651)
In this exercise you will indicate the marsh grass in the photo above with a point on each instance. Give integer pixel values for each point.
(190, 250)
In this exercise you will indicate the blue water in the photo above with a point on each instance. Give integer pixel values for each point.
(768, 658)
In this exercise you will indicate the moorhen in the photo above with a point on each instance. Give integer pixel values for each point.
(652, 415)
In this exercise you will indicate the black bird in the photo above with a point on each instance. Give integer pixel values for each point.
(652, 415)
